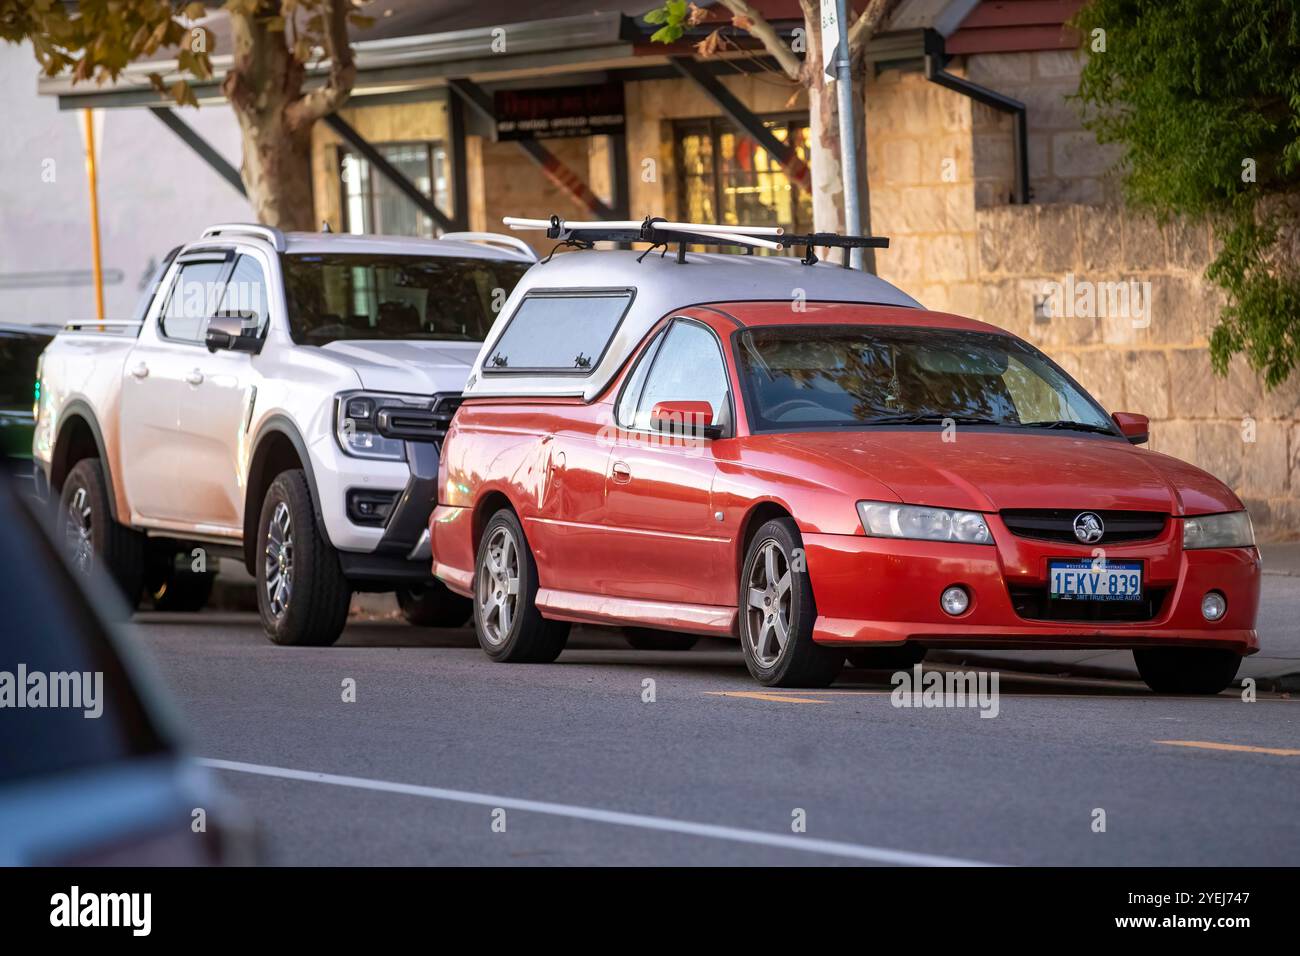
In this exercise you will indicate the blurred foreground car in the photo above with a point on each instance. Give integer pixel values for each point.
(802, 457)
(77, 789)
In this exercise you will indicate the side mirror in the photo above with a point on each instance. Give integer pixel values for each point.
(226, 332)
(1132, 426)
(691, 419)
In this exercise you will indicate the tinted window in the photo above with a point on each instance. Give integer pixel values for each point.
(246, 294)
(362, 296)
(558, 333)
(194, 297)
(688, 368)
(807, 377)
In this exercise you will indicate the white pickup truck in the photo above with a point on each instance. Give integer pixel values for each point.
(280, 398)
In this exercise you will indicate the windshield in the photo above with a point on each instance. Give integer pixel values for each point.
(804, 377)
(360, 296)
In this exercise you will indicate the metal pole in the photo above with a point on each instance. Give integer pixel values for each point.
(848, 141)
(92, 175)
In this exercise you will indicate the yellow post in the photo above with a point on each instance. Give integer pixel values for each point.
(92, 175)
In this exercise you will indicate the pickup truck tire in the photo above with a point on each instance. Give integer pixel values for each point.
(84, 523)
(301, 592)
(434, 605)
(509, 626)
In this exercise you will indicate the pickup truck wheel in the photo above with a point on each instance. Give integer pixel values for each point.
(777, 613)
(506, 619)
(301, 592)
(434, 605)
(650, 639)
(1186, 670)
(90, 536)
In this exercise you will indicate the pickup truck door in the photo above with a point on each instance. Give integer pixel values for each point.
(666, 543)
(219, 390)
(154, 388)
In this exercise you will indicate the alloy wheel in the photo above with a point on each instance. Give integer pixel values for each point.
(498, 586)
(79, 531)
(279, 559)
(768, 604)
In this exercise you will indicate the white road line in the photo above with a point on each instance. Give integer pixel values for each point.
(642, 821)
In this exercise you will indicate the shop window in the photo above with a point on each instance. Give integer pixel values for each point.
(372, 204)
(724, 177)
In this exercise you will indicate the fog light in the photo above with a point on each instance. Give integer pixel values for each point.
(954, 600)
(1213, 606)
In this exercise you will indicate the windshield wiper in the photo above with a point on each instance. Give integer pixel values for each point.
(1064, 425)
(932, 419)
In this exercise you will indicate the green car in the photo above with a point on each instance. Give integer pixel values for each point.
(20, 348)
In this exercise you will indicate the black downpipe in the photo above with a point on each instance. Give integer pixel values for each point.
(935, 59)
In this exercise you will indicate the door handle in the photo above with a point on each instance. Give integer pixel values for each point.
(140, 370)
(195, 377)
(621, 471)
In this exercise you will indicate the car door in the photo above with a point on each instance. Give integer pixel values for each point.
(664, 539)
(216, 404)
(160, 371)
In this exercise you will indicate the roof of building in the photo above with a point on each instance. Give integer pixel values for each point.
(661, 286)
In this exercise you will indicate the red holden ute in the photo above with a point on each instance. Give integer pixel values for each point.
(801, 457)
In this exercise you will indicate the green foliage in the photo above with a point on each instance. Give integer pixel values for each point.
(1204, 98)
(672, 15)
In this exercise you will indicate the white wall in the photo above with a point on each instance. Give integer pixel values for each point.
(154, 193)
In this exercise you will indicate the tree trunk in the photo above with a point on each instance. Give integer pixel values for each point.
(824, 158)
(277, 170)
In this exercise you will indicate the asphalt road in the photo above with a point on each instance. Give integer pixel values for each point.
(441, 747)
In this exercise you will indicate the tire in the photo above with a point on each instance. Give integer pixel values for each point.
(650, 639)
(508, 630)
(1186, 670)
(184, 591)
(774, 597)
(90, 537)
(434, 605)
(302, 595)
(902, 657)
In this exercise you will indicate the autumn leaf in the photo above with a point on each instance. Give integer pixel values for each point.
(195, 11)
(742, 22)
(183, 94)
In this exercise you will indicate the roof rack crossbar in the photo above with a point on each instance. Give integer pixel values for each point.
(269, 233)
(660, 232)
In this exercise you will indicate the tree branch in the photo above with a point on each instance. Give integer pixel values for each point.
(864, 28)
(343, 72)
(764, 32)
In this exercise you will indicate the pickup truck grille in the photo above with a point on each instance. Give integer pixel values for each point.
(412, 423)
(1058, 524)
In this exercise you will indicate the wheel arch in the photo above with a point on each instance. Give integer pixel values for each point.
(759, 513)
(488, 504)
(79, 437)
(277, 448)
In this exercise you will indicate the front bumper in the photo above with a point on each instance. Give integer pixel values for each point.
(886, 591)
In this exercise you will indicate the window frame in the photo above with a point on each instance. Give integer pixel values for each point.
(583, 293)
(430, 145)
(661, 337)
(194, 256)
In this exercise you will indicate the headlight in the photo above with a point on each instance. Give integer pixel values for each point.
(885, 520)
(1232, 530)
(355, 426)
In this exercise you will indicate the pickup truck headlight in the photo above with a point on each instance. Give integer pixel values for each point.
(885, 520)
(1231, 530)
(355, 427)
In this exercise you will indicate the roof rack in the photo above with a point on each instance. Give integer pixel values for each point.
(661, 232)
(494, 239)
(269, 233)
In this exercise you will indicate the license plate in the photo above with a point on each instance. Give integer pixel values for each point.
(1094, 580)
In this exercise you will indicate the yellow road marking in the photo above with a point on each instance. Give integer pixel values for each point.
(758, 695)
(1210, 745)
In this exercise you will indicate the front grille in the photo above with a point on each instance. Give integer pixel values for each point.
(412, 423)
(1057, 524)
(1034, 604)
